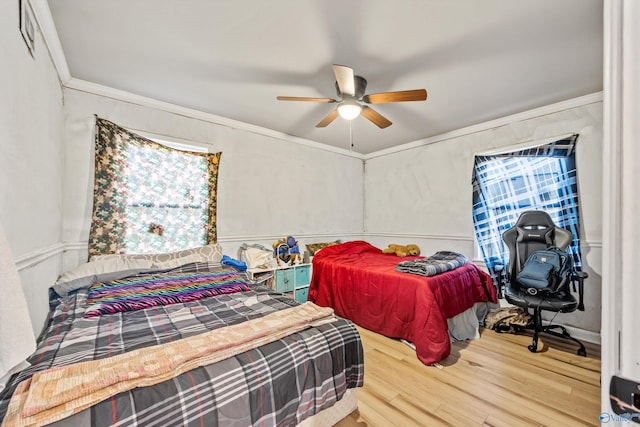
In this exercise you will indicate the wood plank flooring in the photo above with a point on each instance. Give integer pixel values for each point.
(492, 381)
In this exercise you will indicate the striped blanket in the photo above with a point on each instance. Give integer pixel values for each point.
(435, 264)
(140, 292)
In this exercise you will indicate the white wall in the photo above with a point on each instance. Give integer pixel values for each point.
(620, 337)
(268, 188)
(31, 121)
(423, 195)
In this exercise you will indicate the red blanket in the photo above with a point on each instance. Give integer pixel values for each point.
(360, 283)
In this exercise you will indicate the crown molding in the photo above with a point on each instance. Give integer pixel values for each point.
(491, 124)
(121, 95)
(51, 40)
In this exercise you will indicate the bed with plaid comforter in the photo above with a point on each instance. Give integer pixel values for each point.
(279, 383)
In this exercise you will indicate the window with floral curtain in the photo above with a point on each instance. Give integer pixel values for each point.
(507, 184)
(149, 198)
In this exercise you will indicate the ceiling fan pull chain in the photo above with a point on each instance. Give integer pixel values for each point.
(350, 135)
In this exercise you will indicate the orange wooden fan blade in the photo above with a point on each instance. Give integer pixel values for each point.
(400, 96)
(304, 98)
(375, 117)
(328, 119)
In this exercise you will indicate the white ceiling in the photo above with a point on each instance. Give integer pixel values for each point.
(478, 59)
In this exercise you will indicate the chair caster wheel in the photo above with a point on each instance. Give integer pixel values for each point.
(582, 352)
(532, 348)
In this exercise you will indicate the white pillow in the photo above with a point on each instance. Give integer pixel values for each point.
(177, 262)
(211, 252)
(103, 266)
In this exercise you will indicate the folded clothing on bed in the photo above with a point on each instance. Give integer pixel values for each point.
(435, 264)
(140, 292)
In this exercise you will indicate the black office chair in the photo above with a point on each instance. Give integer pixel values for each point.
(535, 230)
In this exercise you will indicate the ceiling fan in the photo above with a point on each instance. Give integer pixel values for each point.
(352, 99)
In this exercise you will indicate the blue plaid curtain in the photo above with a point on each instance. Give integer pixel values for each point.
(505, 185)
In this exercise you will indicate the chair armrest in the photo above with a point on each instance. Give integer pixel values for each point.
(499, 269)
(579, 277)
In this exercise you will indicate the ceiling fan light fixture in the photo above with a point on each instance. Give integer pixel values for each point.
(349, 110)
(352, 100)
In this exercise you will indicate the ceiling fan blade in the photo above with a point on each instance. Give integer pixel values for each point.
(304, 98)
(328, 119)
(400, 96)
(345, 79)
(375, 117)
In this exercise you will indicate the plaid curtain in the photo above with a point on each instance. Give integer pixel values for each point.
(149, 198)
(505, 185)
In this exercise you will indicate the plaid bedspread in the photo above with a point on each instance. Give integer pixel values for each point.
(280, 383)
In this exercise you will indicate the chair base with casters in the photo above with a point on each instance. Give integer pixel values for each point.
(564, 303)
(534, 231)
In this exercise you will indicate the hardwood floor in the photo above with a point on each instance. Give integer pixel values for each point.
(492, 381)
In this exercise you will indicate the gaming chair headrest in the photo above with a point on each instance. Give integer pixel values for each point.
(535, 218)
(535, 233)
(538, 227)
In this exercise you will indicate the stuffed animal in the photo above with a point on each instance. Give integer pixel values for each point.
(294, 250)
(401, 250)
(286, 250)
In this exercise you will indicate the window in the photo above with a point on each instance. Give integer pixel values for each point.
(165, 214)
(150, 198)
(507, 184)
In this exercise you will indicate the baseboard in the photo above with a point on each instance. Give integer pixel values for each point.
(574, 331)
(583, 335)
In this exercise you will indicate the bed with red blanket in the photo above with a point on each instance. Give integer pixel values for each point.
(361, 284)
